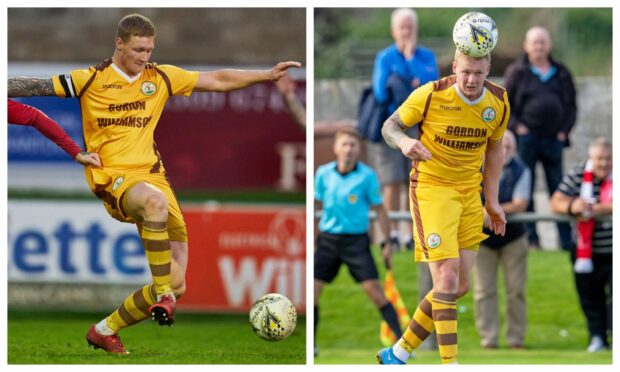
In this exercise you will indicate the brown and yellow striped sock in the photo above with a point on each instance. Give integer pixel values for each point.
(157, 247)
(420, 327)
(134, 309)
(444, 316)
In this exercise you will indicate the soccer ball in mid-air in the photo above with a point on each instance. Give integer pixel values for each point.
(475, 34)
(273, 317)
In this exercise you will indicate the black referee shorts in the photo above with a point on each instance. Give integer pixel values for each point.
(353, 250)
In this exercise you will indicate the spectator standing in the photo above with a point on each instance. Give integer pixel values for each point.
(399, 69)
(509, 251)
(543, 102)
(586, 194)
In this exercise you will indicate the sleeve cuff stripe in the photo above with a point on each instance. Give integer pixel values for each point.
(67, 85)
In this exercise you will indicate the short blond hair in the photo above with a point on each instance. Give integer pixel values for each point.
(134, 25)
(458, 53)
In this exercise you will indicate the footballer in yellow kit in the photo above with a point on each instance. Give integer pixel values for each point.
(120, 114)
(121, 100)
(445, 191)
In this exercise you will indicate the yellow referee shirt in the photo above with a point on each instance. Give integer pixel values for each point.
(120, 113)
(454, 129)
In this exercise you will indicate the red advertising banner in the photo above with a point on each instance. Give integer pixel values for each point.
(236, 140)
(237, 254)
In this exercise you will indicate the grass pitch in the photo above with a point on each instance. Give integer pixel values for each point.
(556, 330)
(59, 338)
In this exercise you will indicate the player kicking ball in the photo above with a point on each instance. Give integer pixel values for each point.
(462, 120)
(121, 101)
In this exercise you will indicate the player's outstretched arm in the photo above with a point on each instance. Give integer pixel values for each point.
(393, 133)
(229, 79)
(493, 163)
(22, 86)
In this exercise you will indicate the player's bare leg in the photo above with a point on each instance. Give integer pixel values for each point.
(466, 263)
(149, 207)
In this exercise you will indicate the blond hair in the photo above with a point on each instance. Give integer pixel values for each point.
(458, 53)
(134, 25)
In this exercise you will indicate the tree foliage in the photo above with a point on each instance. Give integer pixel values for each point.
(346, 39)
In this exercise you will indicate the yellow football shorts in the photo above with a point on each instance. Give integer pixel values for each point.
(445, 219)
(110, 185)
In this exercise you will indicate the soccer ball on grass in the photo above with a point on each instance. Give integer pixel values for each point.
(475, 34)
(273, 317)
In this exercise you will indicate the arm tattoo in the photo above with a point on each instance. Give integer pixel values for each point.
(27, 87)
(393, 129)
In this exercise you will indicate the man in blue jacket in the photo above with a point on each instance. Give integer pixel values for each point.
(399, 69)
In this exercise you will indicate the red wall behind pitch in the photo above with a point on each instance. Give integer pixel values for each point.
(237, 254)
(232, 140)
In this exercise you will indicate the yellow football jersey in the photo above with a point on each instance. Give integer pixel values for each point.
(454, 129)
(120, 113)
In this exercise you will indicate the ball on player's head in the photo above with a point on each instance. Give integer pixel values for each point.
(273, 317)
(475, 34)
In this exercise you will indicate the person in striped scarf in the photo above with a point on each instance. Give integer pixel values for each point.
(586, 194)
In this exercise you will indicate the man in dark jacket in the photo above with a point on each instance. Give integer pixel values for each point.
(509, 252)
(543, 102)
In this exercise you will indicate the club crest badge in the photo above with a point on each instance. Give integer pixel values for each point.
(433, 240)
(117, 183)
(488, 114)
(352, 198)
(148, 88)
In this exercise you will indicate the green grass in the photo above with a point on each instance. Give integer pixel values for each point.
(58, 338)
(268, 196)
(349, 327)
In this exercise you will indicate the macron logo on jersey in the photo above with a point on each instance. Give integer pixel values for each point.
(450, 108)
(112, 86)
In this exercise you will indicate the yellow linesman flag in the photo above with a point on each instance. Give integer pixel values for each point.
(391, 292)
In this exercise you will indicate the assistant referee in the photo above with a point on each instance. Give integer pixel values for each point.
(347, 189)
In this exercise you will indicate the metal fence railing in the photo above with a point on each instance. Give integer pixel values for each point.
(516, 217)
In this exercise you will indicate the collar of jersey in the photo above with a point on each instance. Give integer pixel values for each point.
(124, 75)
(466, 100)
(354, 169)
